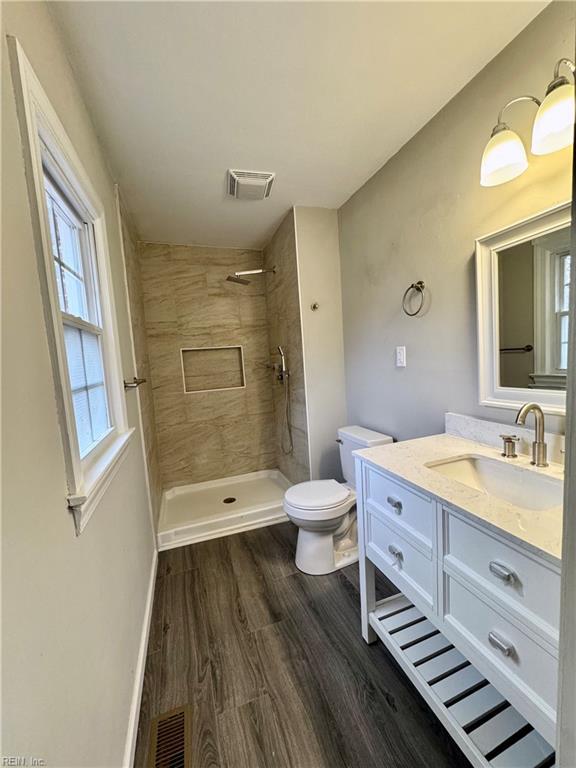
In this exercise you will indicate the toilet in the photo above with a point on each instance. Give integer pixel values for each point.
(325, 510)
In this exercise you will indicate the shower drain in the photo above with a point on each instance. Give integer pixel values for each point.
(229, 500)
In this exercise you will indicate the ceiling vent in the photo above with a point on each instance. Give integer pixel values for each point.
(250, 185)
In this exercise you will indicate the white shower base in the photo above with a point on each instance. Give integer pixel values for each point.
(192, 513)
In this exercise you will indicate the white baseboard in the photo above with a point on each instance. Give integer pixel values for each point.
(132, 733)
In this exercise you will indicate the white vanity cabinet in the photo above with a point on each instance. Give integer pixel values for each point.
(401, 536)
(500, 606)
(487, 594)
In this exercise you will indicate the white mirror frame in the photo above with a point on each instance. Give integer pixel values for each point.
(487, 248)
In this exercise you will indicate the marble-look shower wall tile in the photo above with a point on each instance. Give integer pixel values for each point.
(217, 408)
(189, 304)
(190, 451)
(169, 407)
(285, 329)
(260, 400)
(145, 394)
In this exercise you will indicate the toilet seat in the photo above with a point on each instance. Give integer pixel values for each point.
(319, 500)
(317, 494)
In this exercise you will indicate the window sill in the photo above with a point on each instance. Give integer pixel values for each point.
(97, 480)
(549, 380)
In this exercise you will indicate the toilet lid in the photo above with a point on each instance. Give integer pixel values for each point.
(317, 494)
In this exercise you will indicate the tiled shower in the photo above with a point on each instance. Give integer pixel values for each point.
(212, 405)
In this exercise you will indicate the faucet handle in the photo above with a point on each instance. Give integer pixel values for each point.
(509, 446)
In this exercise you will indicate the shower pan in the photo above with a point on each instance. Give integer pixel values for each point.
(215, 508)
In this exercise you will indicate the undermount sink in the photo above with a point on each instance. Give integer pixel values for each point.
(521, 487)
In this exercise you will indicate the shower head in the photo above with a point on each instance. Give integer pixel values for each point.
(238, 277)
(239, 280)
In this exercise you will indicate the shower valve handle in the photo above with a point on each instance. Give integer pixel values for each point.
(134, 384)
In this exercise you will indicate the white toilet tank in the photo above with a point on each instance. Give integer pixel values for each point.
(352, 439)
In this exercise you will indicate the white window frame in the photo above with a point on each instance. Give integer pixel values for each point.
(547, 254)
(46, 145)
(559, 259)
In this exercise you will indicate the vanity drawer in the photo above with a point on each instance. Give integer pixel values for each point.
(525, 662)
(502, 571)
(411, 569)
(408, 509)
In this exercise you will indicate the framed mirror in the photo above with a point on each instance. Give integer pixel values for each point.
(522, 279)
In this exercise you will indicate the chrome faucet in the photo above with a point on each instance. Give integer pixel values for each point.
(538, 446)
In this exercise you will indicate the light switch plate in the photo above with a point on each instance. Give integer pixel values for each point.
(400, 357)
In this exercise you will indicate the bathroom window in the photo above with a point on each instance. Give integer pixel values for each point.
(562, 262)
(552, 262)
(76, 286)
(76, 273)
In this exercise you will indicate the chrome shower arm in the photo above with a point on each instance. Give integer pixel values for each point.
(255, 272)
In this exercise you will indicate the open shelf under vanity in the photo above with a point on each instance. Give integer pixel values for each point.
(486, 727)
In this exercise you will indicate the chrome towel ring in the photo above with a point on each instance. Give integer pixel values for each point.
(419, 287)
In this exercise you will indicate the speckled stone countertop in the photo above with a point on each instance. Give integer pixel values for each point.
(540, 530)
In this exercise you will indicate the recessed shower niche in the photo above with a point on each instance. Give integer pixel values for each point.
(206, 369)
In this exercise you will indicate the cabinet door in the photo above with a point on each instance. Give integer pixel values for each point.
(413, 569)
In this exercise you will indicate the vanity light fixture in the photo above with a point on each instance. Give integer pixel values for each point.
(554, 124)
(504, 156)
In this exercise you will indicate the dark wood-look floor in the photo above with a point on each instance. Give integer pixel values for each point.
(274, 666)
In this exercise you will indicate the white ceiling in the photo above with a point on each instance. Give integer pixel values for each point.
(321, 93)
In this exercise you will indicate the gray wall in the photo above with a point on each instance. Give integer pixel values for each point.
(417, 219)
(323, 339)
(73, 607)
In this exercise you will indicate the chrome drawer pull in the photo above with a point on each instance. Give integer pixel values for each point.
(502, 645)
(502, 572)
(395, 552)
(396, 504)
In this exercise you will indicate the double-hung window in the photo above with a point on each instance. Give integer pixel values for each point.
(552, 261)
(562, 264)
(75, 281)
(76, 273)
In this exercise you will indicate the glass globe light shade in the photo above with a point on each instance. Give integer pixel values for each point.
(504, 157)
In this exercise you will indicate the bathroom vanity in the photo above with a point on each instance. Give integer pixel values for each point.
(472, 541)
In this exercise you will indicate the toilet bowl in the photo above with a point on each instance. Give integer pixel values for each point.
(325, 510)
